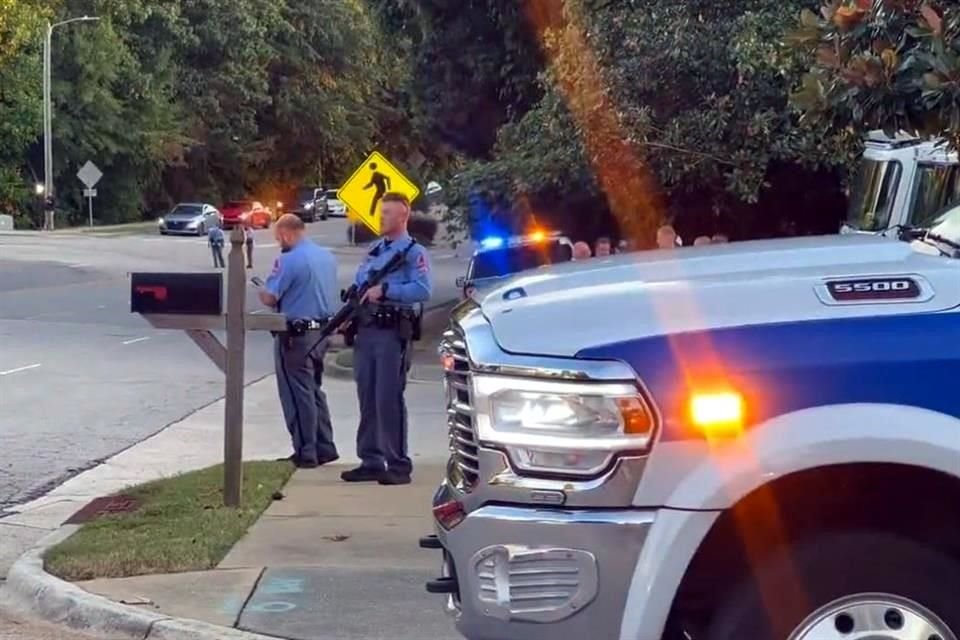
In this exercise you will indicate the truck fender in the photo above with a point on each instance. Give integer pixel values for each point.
(711, 477)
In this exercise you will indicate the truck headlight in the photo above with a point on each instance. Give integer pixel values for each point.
(561, 427)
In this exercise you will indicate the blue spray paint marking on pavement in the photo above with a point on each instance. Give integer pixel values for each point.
(278, 586)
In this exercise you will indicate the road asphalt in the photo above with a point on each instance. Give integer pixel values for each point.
(19, 629)
(81, 378)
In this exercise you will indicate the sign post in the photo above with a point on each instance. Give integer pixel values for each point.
(193, 303)
(90, 175)
(364, 190)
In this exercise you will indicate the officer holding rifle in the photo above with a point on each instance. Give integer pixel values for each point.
(385, 324)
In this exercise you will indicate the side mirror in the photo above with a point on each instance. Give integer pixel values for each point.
(461, 282)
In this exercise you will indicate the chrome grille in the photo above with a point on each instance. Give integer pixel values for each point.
(464, 469)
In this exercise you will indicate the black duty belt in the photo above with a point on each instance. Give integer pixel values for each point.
(301, 326)
(386, 317)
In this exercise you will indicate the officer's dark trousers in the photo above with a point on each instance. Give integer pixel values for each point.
(217, 252)
(299, 376)
(380, 364)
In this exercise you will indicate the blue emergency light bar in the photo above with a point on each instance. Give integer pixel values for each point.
(493, 242)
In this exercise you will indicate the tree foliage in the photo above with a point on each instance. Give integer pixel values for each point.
(664, 110)
(883, 64)
(204, 99)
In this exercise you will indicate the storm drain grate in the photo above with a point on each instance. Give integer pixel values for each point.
(109, 505)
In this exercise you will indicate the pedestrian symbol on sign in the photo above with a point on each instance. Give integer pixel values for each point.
(382, 184)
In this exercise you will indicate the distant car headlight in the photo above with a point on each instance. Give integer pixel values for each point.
(161, 222)
(569, 428)
(308, 206)
(193, 224)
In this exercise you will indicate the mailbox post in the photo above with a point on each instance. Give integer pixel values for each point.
(193, 303)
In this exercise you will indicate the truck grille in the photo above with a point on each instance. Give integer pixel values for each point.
(464, 467)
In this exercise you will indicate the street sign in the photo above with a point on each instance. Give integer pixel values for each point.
(368, 184)
(89, 174)
(89, 193)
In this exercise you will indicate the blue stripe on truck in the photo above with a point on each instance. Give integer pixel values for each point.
(911, 360)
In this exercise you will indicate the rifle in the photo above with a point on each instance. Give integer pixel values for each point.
(352, 296)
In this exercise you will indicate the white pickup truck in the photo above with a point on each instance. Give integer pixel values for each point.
(754, 441)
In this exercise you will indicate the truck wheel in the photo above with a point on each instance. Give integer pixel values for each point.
(842, 586)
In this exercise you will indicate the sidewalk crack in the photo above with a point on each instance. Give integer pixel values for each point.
(246, 601)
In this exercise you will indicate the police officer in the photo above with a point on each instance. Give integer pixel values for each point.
(302, 287)
(381, 356)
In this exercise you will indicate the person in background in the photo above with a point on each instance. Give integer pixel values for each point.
(720, 238)
(667, 237)
(581, 251)
(701, 241)
(215, 240)
(248, 242)
(604, 248)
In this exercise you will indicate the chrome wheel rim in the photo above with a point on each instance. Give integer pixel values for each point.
(873, 616)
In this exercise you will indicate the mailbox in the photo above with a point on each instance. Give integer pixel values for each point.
(177, 293)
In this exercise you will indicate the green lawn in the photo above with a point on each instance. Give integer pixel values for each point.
(180, 525)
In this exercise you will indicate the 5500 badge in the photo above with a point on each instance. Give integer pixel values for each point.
(874, 289)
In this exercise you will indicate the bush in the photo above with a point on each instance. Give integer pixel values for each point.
(422, 227)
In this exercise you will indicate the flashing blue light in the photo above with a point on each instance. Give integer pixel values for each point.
(492, 243)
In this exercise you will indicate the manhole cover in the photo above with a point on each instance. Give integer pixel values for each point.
(103, 507)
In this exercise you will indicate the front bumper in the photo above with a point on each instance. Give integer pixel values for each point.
(535, 574)
(179, 230)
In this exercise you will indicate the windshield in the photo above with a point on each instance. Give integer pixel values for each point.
(872, 195)
(504, 262)
(305, 195)
(937, 188)
(332, 194)
(946, 225)
(187, 210)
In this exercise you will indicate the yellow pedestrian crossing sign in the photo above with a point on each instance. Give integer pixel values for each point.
(368, 184)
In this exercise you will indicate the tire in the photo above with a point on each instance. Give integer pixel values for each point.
(793, 584)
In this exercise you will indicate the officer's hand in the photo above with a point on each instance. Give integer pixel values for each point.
(374, 294)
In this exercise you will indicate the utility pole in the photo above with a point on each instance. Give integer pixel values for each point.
(48, 103)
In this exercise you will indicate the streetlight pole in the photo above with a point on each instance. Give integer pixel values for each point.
(47, 102)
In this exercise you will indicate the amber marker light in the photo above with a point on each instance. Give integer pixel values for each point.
(717, 414)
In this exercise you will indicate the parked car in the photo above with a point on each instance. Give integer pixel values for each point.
(335, 207)
(248, 212)
(311, 204)
(190, 218)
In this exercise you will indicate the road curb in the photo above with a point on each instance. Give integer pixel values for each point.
(30, 590)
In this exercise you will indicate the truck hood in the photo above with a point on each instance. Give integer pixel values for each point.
(563, 309)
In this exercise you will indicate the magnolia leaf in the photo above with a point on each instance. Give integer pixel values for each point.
(809, 19)
(933, 19)
(932, 81)
(890, 59)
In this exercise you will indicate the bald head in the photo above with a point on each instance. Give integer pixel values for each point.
(581, 251)
(666, 237)
(288, 230)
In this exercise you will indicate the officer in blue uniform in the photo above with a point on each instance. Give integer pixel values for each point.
(381, 358)
(303, 287)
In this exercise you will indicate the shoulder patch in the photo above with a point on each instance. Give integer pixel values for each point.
(423, 265)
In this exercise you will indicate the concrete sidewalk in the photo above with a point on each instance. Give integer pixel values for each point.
(331, 560)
